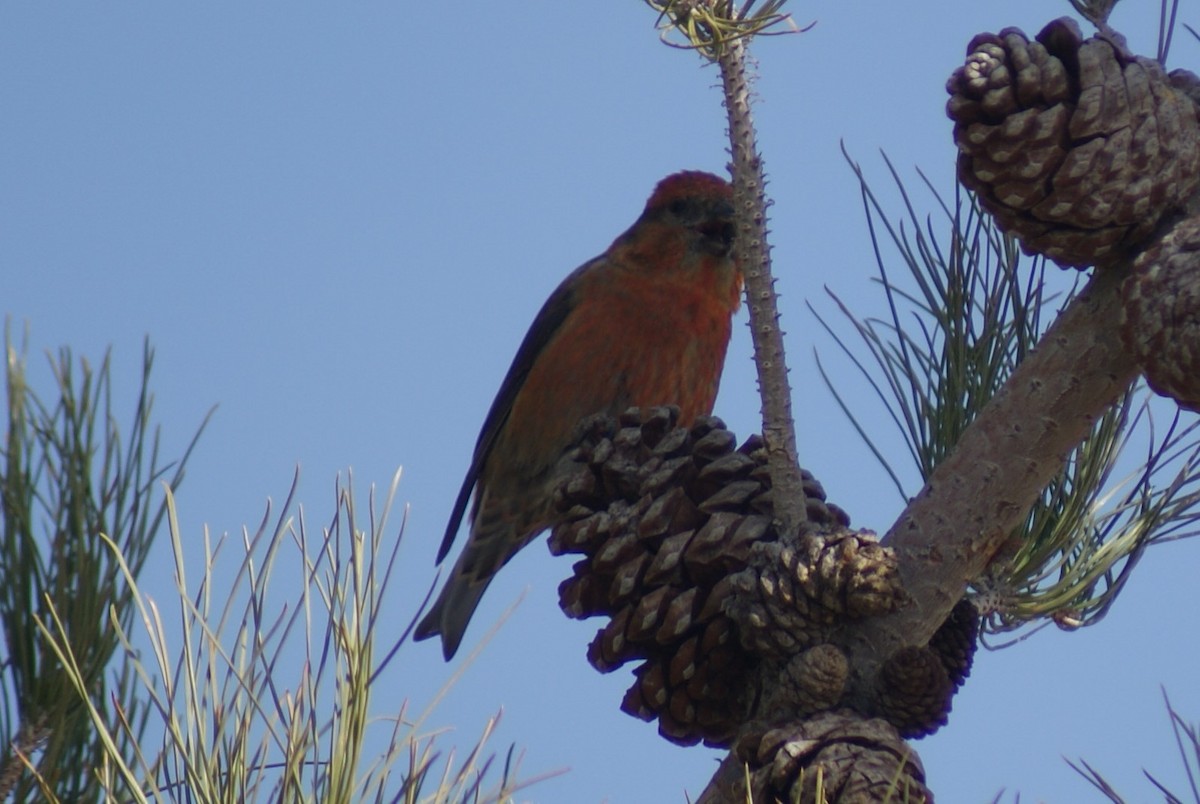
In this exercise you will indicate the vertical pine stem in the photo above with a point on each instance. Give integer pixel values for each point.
(779, 431)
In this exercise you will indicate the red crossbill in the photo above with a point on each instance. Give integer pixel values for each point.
(645, 323)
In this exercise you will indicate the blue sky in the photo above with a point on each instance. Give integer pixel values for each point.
(336, 223)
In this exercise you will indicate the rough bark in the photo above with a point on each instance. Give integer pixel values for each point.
(779, 431)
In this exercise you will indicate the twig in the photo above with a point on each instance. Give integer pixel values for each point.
(779, 432)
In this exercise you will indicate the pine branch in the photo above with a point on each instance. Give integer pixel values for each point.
(950, 531)
(779, 430)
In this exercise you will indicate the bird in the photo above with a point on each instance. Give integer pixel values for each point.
(646, 323)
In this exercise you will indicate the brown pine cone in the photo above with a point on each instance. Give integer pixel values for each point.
(815, 680)
(1160, 313)
(915, 691)
(955, 641)
(1076, 146)
(665, 518)
(680, 553)
(794, 593)
(853, 759)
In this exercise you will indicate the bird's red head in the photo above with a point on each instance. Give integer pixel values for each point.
(689, 184)
(689, 212)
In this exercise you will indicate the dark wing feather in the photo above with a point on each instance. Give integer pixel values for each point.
(544, 326)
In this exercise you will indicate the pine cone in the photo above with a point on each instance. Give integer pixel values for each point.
(955, 641)
(794, 593)
(854, 759)
(1160, 313)
(915, 691)
(666, 518)
(815, 680)
(680, 553)
(1076, 146)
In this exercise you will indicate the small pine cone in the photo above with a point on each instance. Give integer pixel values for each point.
(915, 691)
(1076, 146)
(1160, 313)
(666, 518)
(794, 593)
(955, 641)
(815, 680)
(852, 573)
(840, 753)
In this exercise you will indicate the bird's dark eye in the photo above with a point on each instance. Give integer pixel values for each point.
(678, 207)
(718, 233)
(727, 233)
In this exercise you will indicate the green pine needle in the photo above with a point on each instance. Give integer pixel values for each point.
(259, 695)
(965, 313)
(707, 26)
(68, 476)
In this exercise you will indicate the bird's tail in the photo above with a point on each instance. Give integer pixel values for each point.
(453, 609)
(494, 540)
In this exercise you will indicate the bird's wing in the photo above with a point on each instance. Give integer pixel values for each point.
(548, 322)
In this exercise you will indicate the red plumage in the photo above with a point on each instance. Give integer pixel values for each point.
(645, 323)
